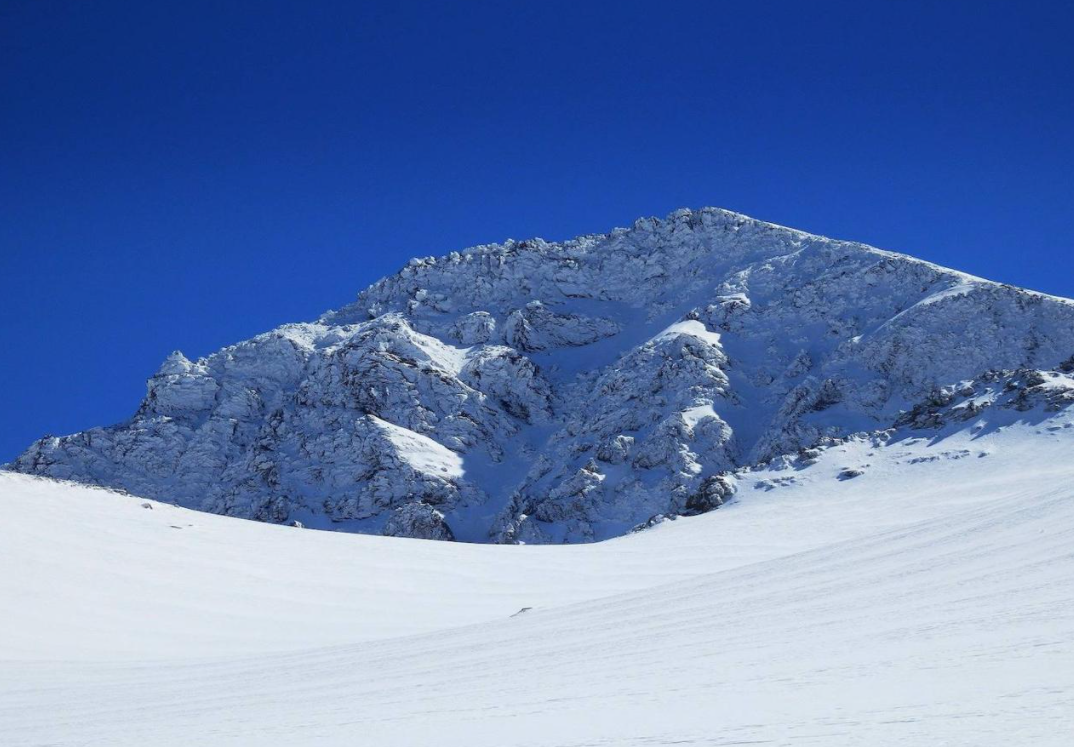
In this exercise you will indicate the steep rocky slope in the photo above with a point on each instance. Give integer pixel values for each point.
(561, 392)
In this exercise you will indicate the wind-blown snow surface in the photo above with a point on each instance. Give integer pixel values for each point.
(563, 392)
(927, 600)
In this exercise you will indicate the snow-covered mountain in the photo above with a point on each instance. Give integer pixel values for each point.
(561, 392)
(888, 443)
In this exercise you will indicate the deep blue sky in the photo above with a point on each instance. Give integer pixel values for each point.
(185, 175)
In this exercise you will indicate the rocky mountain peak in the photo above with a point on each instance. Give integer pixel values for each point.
(536, 391)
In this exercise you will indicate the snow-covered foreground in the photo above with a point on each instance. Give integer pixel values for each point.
(928, 601)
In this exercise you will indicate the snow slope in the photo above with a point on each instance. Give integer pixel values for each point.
(928, 600)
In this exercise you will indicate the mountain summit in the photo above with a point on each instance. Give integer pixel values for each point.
(534, 391)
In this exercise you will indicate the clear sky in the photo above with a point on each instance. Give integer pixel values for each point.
(185, 175)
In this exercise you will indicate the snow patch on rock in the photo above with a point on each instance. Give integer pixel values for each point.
(421, 452)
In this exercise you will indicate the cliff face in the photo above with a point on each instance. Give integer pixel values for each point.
(562, 392)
